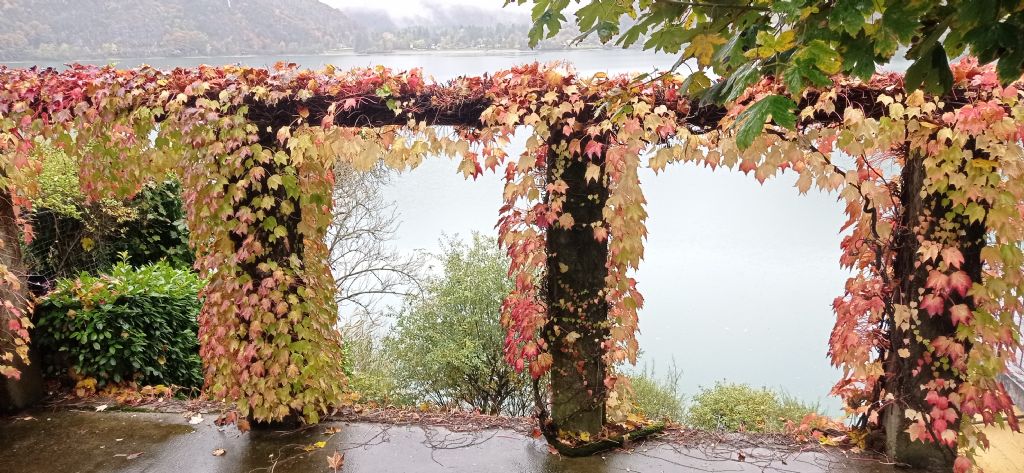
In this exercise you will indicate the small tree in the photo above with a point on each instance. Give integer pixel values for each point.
(448, 341)
(366, 267)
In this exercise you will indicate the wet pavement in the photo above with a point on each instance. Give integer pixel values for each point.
(83, 441)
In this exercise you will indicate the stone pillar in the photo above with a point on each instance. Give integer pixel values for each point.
(922, 215)
(267, 329)
(28, 387)
(577, 310)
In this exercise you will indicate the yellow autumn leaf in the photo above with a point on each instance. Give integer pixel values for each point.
(315, 445)
(703, 47)
(768, 44)
(593, 172)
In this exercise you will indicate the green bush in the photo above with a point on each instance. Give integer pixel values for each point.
(447, 343)
(731, 407)
(129, 325)
(72, 236)
(658, 398)
(372, 371)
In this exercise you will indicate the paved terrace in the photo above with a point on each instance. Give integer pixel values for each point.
(69, 441)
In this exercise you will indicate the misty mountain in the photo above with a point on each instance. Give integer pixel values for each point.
(439, 15)
(69, 30)
(96, 29)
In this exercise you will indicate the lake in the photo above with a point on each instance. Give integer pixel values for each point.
(738, 277)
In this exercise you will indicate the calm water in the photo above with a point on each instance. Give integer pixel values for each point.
(738, 277)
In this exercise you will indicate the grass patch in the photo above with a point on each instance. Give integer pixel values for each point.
(741, 407)
(658, 397)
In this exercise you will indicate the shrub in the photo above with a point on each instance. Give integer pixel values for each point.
(372, 371)
(72, 235)
(448, 342)
(129, 325)
(658, 398)
(731, 406)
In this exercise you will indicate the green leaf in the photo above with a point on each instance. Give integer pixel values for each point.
(547, 14)
(859, 57)
(850, 16)
(751, 122)
(930, 71)
(599, 11)
(696, 82)
(822, 55)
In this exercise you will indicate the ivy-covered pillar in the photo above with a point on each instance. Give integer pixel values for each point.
(20, 383)
(268, 325)
(576, 269)
(937, 256)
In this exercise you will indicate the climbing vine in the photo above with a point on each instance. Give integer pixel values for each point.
(933, 188)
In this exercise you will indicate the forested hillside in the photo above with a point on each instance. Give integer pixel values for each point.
(96, 29)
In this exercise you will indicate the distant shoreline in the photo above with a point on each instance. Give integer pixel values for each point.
(285, 56)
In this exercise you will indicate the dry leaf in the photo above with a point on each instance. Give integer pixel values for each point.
(196, 419)
(336, 461)
(133, 456)
(219, 452)
(314, 446)
(101, 408)
(331, 430)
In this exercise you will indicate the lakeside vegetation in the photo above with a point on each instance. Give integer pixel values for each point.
(52, 29)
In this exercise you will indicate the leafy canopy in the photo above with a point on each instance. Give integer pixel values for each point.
(800, 42)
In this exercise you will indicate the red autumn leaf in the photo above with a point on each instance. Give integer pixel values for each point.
(962, 464)
(960, 282)
(747, 165)
(934, 398)
(937, 281)
(933, 304)
(336, 461)
(960, 314)
(953, 257)
(593, 149)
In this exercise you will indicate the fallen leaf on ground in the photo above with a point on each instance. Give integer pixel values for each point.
(314, 446)
(331, 430)
(196, 419)
(133, 456)
(219, 452)
(101, 408)
(336, 461)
